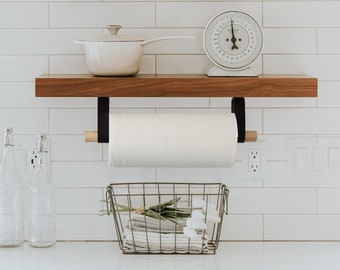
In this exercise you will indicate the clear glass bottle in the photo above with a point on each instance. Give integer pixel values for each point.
(11, 196)
(42, 214)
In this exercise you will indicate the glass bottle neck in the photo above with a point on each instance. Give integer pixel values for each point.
(8, 137)
(42, 152)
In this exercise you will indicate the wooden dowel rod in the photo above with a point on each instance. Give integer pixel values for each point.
(92, 136)
(251, 136)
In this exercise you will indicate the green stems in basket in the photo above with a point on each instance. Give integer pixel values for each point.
(162, 211)
(165, 212)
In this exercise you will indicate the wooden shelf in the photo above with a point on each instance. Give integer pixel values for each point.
(175, 86)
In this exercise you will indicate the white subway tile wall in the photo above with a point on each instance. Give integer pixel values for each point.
(37, 37)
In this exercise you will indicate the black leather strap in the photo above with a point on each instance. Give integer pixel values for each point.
(103, 119)
(238, 107)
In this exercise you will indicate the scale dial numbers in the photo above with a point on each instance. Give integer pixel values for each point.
(233, 40)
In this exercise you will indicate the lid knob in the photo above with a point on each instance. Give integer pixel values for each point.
(114, 28)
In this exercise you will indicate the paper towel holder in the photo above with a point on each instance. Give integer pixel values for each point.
(238, 107)
(103, 112)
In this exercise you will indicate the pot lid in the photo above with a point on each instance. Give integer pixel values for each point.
(117, 38)
(114, 37)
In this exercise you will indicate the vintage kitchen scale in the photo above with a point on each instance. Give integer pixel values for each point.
(233, 40)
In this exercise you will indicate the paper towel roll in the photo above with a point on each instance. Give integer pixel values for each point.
(172, 139)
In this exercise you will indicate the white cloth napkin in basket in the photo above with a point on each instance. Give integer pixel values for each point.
(144, 223)
(138, 241)
(144, 234)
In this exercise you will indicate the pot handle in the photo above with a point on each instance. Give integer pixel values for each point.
(146, 42)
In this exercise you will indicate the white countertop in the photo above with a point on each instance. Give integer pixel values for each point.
(231, 255)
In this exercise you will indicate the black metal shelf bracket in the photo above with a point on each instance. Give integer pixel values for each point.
(103, 109)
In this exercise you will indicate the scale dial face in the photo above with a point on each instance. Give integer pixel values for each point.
(233, 40)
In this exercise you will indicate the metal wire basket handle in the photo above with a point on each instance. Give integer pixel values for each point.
(226, 195)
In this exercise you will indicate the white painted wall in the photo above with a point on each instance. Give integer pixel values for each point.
(300, 37)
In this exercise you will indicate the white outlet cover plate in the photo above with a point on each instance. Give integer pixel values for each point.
(314, 158)
(260, 175)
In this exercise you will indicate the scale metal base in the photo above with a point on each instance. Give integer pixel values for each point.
(215, 71)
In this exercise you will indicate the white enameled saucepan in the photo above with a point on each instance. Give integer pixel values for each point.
(117, 55)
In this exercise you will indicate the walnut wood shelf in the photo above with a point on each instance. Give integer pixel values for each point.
(175, 86)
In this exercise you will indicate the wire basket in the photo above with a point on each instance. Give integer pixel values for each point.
(168, 218)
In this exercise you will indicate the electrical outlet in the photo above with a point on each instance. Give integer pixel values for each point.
(33, 159)
(254, 161)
